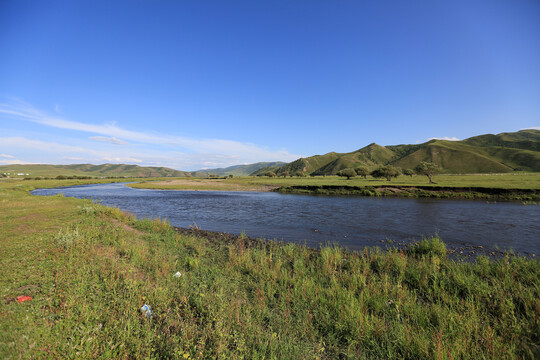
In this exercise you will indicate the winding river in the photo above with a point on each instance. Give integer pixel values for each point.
(353, 222)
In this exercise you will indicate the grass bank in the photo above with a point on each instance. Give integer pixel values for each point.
(90, 268)
(438, 192)
(514, 186)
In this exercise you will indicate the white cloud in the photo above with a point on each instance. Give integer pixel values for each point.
(14, 162)
(7, 156)
(532, 128)
(444, 138)
(122, 159)
(248, 152)
(111, 140)
(43, 146)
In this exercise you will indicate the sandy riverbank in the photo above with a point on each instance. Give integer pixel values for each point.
(203, 185)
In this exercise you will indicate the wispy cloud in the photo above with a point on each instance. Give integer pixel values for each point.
(7, 156)
(14, 162)
(122, 159)
(205, 150)
(444, 138)
(532, 128)
(110, 140)
(76, 153)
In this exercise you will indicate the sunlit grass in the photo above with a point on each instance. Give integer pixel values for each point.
(505, 181)
(90, 268)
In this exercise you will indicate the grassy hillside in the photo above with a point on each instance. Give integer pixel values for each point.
(309, 165)
(524, 139)
(103, 170)
(370, 156)
(453, 157)
(244, 170)
(506, 152)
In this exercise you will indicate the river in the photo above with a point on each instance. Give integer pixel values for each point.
(352, 222)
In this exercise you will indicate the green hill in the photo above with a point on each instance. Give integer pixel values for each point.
(244, 170)
(524, 139)
(369, 156)
(505, 152)
(104, 170)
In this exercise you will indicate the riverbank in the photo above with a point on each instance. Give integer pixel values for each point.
(90, 268)
(203, 184)
(438, 192)
(493, 187)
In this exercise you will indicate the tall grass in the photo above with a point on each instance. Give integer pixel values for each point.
(248, 299)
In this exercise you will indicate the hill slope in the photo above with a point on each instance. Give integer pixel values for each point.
(104, 170)
(505, 152)
(243, 170)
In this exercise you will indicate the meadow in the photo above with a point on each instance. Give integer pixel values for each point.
(506, 181)
(89, 269)
(514, 186)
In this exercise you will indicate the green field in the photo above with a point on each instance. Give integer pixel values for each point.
(514, 186)
(90, 268)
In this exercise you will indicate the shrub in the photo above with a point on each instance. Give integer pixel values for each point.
(408, 172)
(348, 173)
(387, 172)
(427, 168)
(362, 171)
(429, 247)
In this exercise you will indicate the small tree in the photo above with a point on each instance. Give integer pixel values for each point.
(349, 173)
(270, 174)
(387, 172)
(285, 174)
(429, 169)
(362, 171)
(300, 173)
(408, 172)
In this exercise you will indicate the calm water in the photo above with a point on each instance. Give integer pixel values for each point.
(353, 222)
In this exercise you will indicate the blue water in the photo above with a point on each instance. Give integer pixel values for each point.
(353, 222)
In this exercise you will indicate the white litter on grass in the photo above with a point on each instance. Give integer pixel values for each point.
(147, 311)
(178, 274)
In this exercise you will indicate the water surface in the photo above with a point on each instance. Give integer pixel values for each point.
(353, 222)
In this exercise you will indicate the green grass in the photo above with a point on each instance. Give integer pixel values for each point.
(90, 268)
(501, 181)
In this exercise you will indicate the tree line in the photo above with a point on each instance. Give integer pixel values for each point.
(388, 172)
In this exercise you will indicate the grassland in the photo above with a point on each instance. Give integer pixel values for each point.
(90, 268)
(515, 186)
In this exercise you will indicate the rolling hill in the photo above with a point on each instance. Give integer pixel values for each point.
(505, 152)
(104, 170)
(243, 170)
(501, 153)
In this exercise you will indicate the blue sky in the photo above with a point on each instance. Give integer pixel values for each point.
(203, 84)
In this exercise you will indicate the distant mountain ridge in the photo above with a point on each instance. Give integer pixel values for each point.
(501, 153)
(243, 170)
(505, 152)
(123, 170)
(103, 170)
